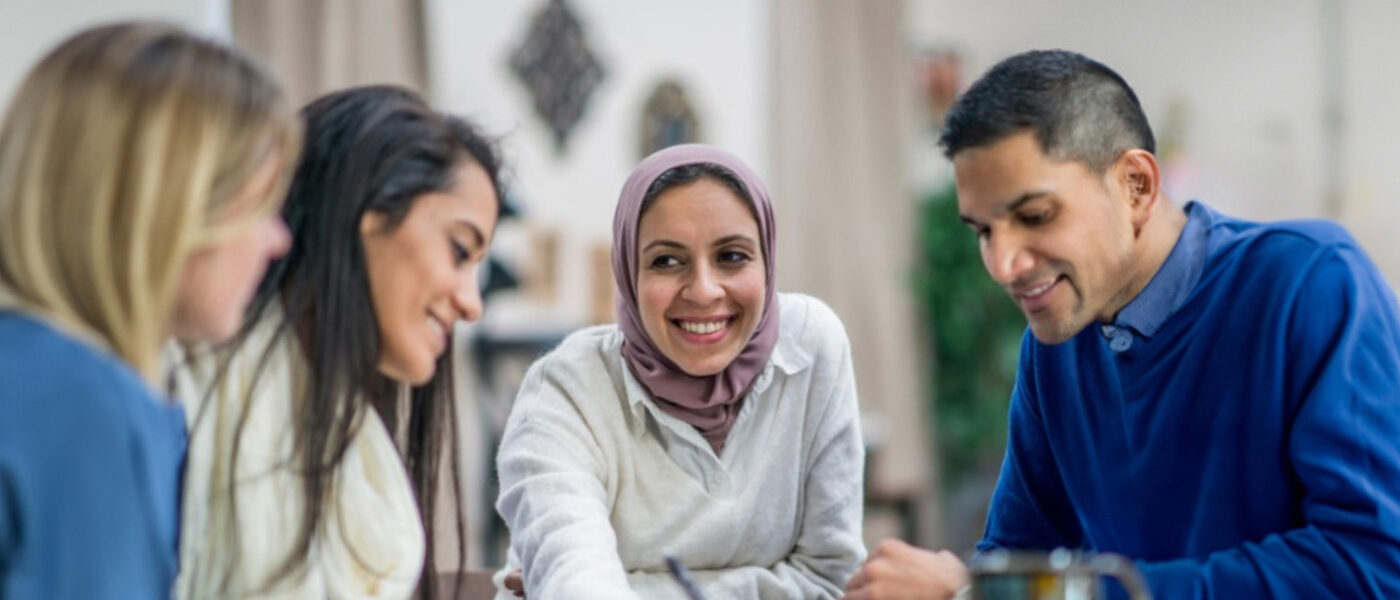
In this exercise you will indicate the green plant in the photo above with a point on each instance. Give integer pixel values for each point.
(975, 339)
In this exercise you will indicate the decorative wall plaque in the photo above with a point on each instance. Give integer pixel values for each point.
(668, 118)
(558, 68)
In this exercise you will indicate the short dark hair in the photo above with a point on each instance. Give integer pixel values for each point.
(1078, 108)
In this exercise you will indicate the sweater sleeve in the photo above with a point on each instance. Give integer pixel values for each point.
(77, 516)
(553, 497)
(829, 546)
(1343, 373)
(1029, 507)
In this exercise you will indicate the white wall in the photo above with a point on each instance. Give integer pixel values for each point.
(1371, 152)
(719, 50)
(1251, 73)
(29, 28)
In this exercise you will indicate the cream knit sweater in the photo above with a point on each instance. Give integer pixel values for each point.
(370, 543)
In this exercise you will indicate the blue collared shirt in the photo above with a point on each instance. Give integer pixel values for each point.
(1168, 289)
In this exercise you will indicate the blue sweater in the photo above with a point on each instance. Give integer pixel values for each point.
(90, 463)
(1246, 445)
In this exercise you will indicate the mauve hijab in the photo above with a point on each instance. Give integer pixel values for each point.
(709, 403)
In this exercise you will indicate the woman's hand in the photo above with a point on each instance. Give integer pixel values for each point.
(515, 582)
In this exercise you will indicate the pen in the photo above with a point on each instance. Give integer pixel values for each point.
(682, 577)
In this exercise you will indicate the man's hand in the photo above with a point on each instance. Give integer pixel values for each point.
(898, 571)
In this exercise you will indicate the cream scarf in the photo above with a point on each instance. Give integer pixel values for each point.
(370, 542)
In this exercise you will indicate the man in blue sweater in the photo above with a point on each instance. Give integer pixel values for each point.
(1217, 399)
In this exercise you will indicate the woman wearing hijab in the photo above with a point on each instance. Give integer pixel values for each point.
(716, 422)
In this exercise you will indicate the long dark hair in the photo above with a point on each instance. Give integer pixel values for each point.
(375, 148)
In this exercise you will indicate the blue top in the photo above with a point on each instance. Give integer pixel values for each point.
(90, 462)
(1236, 430)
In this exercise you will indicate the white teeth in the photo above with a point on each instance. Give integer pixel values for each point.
(1038, 290)
(436, 326)
(702, 328)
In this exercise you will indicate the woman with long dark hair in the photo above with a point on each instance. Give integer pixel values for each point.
(317, 437)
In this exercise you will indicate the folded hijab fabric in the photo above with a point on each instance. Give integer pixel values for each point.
(709, 403)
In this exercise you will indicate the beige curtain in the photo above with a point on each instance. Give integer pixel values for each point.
(318, 46)
(844, 107)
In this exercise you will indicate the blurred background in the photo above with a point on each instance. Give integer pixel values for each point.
(1266, 109)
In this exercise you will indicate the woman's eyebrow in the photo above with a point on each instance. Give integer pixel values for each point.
(475, 231)
(738, 237)
(667, 243)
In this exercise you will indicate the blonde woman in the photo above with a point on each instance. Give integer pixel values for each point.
(140, 173)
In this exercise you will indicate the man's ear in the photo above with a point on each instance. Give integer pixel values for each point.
(1139, 180)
